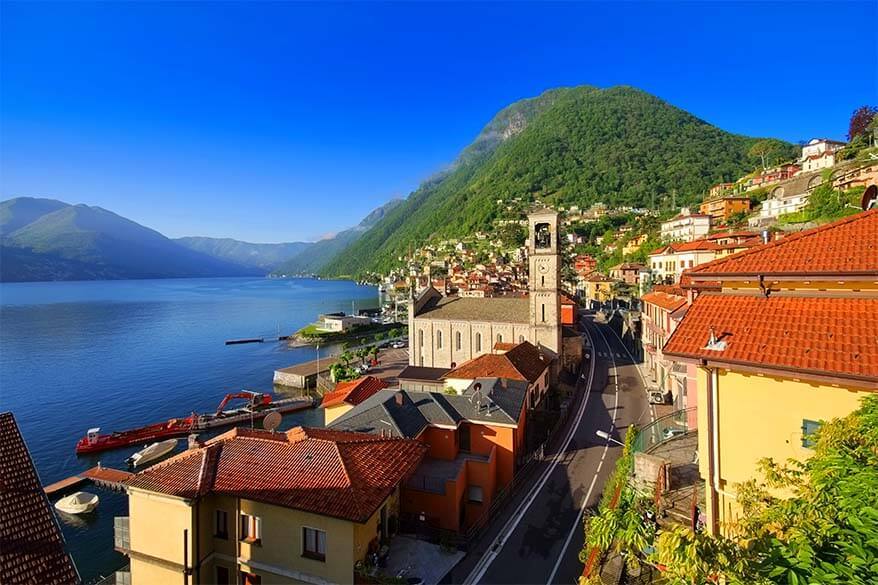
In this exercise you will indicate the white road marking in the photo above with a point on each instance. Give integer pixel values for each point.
(493, 551)
(578, 522)
(639, 372)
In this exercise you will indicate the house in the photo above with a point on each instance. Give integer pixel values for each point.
(568, 310)
(669, 261)
(595, 287)
(346, 395)
(475, 441)
(627, 272)
(523, 362)
(252, 506)
(720, 209)
(661, 311)
(819, 154)
(632, 245)
(33, 548)
(422, 379)
(685, 227)
(782, 337)
(855, 175)
(584, 264)
(732, 242)
(339, 322)
(771, 176)
(720, 189)
(786, 197)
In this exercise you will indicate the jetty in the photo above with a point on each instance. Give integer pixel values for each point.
(105, 477)
(244, 340)
(304, 375)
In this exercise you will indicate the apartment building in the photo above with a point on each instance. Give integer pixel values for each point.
(685, 227)
(668, 262)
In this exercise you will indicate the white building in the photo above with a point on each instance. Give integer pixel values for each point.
(788, 197)
(819, 154)
(340, 322)
(686, 227)
(669, 262)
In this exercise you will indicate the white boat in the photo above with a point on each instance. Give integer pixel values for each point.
(78, 503)
(151, 452)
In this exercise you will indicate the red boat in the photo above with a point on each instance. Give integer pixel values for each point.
(258, 406)
(94, 442)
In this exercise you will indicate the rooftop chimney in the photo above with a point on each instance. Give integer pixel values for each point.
(399, 399)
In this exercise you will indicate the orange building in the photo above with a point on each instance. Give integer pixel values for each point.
(475, 441)
(568, 310)
(721, 208)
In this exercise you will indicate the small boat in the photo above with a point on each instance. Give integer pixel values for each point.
(78, 503)
(151, 452)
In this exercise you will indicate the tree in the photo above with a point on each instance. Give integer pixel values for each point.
(824, 532)
(767, 149)
(860, 121)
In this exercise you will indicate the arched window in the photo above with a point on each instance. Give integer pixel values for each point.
(478, 342)
(438, 340)
(457, 341)
(521, 339)
(499, 338)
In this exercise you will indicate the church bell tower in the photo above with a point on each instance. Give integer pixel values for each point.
(544, 279)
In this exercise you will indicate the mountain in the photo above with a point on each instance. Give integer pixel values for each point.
(568, 146)
(321, 252)
(265, 257)
(44, 239)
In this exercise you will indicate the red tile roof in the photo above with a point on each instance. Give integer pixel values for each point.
(820, 335)
(678, 247)
(668, 302)
(523, 362)
(846, 246)
(31, 543)
(332, 473)
(354, 391)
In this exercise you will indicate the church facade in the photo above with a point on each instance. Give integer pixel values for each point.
(445, 332)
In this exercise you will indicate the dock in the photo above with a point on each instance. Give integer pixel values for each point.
(105, 477)
(304, 375)
(245, 340)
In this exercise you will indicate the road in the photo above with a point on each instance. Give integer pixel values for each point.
(539, 534)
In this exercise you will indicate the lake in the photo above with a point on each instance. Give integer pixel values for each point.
(120, 354)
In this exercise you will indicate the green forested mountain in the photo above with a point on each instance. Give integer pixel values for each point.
(581, 145)
(262, 256)
(44, 239)
(314, 258)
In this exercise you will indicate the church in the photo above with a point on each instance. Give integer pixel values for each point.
(445, 332)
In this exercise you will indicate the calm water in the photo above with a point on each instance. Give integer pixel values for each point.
(121, 354)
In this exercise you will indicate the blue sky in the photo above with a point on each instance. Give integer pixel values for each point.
(283, 121)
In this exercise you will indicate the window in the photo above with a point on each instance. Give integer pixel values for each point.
(478, 342)
(809, 427)
(543, 308)
(222, 576)
(438, 340)
(521, 339)
(420, 338)
(474, 494)
(457, 341)
(499, 338)
(221, 524)
(314, 544)
(251, 528)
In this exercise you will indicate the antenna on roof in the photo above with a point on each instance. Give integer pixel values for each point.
(271, 421)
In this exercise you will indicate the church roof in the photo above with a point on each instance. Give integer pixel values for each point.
(501, 310)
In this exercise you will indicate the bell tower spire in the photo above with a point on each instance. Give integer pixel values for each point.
(544, 278)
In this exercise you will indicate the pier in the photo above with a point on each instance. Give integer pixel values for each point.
(105, 477)
(245, 340)
(304, 375)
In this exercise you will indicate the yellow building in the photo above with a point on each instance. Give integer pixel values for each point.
(596, 287)
(722, 208)
(784, 339)
(256, 507)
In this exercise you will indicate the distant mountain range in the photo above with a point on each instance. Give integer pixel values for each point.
(46, 239)
(321, 252)
(568, 146)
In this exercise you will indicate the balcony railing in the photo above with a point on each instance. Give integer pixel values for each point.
(663, 429)
(121, 534)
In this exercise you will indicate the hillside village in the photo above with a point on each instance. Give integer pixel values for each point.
(552, 327)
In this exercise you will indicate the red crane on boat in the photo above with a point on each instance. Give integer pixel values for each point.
(255, 398)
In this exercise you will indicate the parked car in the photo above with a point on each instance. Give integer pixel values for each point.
(657, 397)
(672, 432)
(398, 344)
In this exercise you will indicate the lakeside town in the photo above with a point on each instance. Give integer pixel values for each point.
(607, 362)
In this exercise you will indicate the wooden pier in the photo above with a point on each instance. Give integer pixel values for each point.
(245, 340)
(105, 477)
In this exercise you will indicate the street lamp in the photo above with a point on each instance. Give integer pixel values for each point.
(606, 436)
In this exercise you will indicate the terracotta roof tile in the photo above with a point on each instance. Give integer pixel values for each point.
(333, 473)
(849, 245)
(354, 391)
(820, 335)
(523, 362)
(31, 543)
(678, 247)
(668, 302)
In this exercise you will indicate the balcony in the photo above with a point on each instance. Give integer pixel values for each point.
(121, 534)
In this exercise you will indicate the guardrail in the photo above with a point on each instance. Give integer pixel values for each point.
(663, 429)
